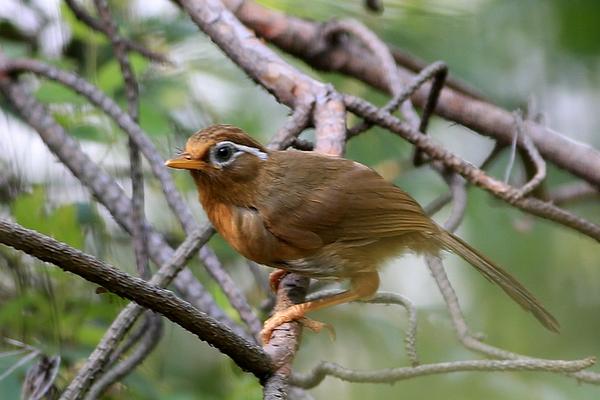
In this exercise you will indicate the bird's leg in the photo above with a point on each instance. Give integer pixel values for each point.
(275, 278)
(362, 286)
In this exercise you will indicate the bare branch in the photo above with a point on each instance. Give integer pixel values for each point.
(470, 172)
(231, 290)
(107, 347)
(108, 192)
(143, 348)
(141, 139)
(436, 70)
(134, 336)
(533, 154)
(294, 125)
(154, 332)
(379, 50)
(300, 37)
(137, 179)
(93, 23)
(410, 340)
(473, 343)
(245, 354)
(571, 192)
(315, 376)
(285, 339)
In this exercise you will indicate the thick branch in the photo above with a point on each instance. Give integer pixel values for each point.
(139, 137)
(300, 37)
(245, 354)
(470, 172)
(101, 184)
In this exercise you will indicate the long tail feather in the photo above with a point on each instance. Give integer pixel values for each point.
(495, 274)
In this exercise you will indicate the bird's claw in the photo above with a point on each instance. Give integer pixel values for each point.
(275, 278)
(278, 319)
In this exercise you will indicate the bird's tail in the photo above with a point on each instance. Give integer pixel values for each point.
(497, 275)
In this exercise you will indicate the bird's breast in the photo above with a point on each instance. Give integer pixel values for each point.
(244, 230)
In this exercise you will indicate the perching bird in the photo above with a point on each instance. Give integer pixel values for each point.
(320, 216)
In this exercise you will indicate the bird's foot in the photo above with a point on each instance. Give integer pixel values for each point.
(275, 278)
(293, 314)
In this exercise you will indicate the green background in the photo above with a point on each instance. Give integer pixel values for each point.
(542, 53)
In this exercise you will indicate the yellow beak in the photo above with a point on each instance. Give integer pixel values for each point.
(183, 161)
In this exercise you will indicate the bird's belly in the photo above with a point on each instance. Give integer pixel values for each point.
(339, 260)
(347, 259)
(314, 268)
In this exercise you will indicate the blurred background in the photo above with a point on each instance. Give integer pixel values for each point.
(540, 56)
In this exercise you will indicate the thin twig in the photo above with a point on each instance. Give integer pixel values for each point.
(437, 69)
(93, 23)
(232, 291)
(294, 125)
(371, 42)
(381, 53)
(106, 348)
(132, 94)
(141, 139)
(468, 171)
(316, 375)
(143, 348)
(572, 192)
(410, 339)
(533, 154)
(108, 192)
(152, 335)
(245, 354)
(130, 341)
(512, 156)
(470, 341)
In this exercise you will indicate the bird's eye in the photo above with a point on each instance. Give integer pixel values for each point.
(223, 153)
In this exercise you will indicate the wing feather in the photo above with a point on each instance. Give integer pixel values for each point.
(347, 202)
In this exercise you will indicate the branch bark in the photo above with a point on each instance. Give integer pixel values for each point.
(245, 354)
(301, 37)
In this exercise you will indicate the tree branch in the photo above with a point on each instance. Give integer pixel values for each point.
(245, 354)
(108, 192)
(474, 175)
(316, 375)
(137, 135)
(96, 25)
(300, 37)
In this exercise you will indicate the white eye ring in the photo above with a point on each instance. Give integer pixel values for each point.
(224, 153)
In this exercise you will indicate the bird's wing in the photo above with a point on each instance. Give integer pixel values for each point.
(345, 201)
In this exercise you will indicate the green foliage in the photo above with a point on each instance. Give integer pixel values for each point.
(510, 50)
(30, 211)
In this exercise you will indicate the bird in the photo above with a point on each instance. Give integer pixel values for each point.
(320, 216)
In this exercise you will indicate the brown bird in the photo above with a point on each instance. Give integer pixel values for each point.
(319, 216)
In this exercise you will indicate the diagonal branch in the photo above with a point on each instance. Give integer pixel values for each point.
(300, 37)
(473, 174)
(141, 139)
(144, 347)
(106, 191)
(245, 354)
(96, 25)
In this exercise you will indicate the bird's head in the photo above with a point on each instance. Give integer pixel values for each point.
(221, 156)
